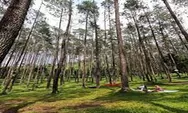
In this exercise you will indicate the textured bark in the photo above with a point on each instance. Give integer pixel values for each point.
(21, 54)
(12, 53)
(11, 24)
(123, 70)
(23, 49)
(4, 72)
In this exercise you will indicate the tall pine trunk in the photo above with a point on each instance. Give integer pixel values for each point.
(113, 68)
(53, 64)
(84, 62)
(23, 49)
(124, 76)
(97, 73)
(63, 52)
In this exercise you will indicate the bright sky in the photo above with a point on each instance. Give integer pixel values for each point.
(53, 21)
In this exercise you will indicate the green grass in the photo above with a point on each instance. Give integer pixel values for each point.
(72, 98)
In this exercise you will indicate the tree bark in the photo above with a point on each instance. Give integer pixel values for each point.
(23, 49)
(123, 70)
(63, 52)
(11, 24)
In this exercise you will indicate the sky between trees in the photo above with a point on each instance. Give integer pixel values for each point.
(54, 21)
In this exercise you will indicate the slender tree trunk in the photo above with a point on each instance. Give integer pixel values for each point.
(97, 73)
(106, 56)
(11, 24)
(139, 67)
(22, 77)
(34, 60)
(165, 67)
(85, 41)
(124, 76)
(176, 19)
(63, 52)
(17, 72)
(178, 34)
(113, 70)
(166, 43)
(147, 59)
(53, 65)
(38, 73)
(57, 71)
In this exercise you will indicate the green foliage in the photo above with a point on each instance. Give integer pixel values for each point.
(132, 4)
(108, 3)
(180, 60)
(88, 7)
(182, 63)
(57, 6)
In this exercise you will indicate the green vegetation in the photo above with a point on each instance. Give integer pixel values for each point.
(89, 56)
(72, 98)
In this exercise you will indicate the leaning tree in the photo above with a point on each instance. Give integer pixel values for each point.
(11, 24)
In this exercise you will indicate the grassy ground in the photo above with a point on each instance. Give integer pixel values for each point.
(72, 98)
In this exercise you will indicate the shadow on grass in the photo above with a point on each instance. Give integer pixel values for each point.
(22, 105)
(170, 108)
(136, 110)
(98, 109)
(15, 109)
(137, 96)
(68, 94)
(76, 91)
(179, 96)
(148, 98)
(112, 110)
(92, 107)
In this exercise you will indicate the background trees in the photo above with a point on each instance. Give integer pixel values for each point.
(91, 41)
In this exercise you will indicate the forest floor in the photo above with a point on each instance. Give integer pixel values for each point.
(72, 98)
